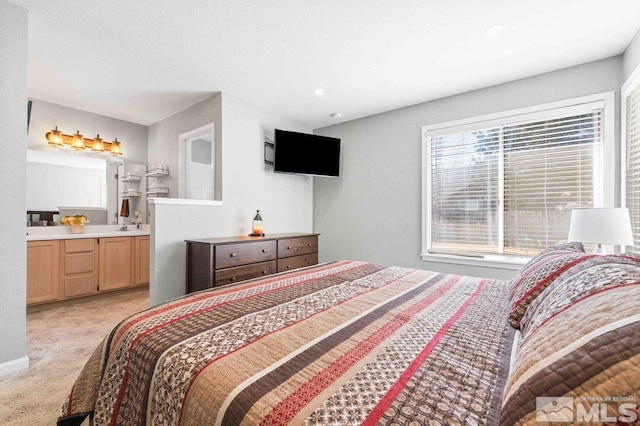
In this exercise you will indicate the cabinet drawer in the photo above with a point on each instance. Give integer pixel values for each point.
(79, 285)
(79, 245)
(295, 262)
(230, 255)
(79, 263)
(241, 273)
(297, 246)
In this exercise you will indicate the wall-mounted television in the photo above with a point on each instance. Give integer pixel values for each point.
(306, 154)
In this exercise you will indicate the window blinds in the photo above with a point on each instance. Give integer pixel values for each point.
(509, 189)
(632, 180)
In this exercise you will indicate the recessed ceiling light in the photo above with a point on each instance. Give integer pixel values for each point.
(494, 29)
(336, 115)
(318, 92)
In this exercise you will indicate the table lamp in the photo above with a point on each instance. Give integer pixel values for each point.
(601, 226)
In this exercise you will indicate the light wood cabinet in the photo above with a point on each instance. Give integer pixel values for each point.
(80, 267)
(43, 271)
(70, 268)
(141, 260)
(116, 264)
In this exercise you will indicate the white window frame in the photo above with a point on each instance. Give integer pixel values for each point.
(541, 112)
(629, 86)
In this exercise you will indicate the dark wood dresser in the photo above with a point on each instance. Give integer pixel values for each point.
(214, 262)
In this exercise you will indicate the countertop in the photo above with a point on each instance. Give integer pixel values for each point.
(42, 233)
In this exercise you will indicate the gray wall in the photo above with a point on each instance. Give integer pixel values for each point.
(13, 164)
(373, 212)
(164, 147)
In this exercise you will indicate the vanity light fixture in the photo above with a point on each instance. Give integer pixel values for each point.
(56, 138)
(78, 142)
(116, 149)
(97, 146)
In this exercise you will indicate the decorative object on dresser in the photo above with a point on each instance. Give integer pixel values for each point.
(214, 262)
(256, 226)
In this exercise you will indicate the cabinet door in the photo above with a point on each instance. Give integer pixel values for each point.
(43, 271)
(141, 261)
(115, 263)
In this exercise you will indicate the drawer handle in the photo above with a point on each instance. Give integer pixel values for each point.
(309, 245)
(233, 255)
(264, 250)
(288, 247)
(288, 266)
(264, 272)
(233, 279)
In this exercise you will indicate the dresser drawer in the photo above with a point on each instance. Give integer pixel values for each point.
(294, 262)
(79, 245)
(230, 255)
(246, 272)
(297, 246)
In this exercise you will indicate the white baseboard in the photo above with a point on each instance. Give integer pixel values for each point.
(14, 366)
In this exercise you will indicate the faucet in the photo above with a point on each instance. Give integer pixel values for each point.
(124, 225)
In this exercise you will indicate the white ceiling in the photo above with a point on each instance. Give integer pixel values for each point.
(145, 60)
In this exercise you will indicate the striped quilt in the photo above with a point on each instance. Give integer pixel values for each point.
(339, 343)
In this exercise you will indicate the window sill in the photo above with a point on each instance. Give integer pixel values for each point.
(510, 263)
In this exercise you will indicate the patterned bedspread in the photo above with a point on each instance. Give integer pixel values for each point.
(339, 343)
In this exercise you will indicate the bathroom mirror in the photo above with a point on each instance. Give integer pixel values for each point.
(55, 179)
(197, 163)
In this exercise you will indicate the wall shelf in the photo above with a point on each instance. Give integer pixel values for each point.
(158, 172)
(157, 192)
(131, 178)
(154, 183)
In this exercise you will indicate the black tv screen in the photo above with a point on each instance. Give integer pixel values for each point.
(306, 154)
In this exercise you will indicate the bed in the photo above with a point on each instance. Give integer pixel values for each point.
(352, 342)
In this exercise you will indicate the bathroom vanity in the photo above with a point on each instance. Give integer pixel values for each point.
(61, 265)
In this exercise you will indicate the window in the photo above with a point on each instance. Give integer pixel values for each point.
(631, 155)
(506, 184)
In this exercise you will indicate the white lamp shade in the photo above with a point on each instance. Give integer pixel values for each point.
(601, 226)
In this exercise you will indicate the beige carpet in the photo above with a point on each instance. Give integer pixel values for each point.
(59, 341)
